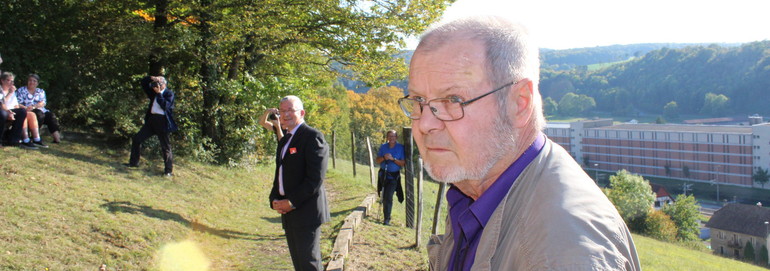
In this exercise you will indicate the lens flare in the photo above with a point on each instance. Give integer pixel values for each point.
(183, 256)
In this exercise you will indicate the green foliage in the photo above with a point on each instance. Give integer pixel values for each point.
(573, 104)
(660, 120)
(761, 176)
(374, 113)
(671, 110)
(659, 225)
(763, 256)
(685, 214)
(226, 60)
(715, 105)
(650, 81)
(748, 252)
(632, 196)
(550, 107)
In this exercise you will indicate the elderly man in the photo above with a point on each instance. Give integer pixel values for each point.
(298, 192)
(517, 200)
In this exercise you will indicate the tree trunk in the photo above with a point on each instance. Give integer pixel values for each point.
(156, 59)
(208, 73)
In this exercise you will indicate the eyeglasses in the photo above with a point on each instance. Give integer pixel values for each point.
(281, 112)
(445, 109)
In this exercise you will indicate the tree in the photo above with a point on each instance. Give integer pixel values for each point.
(226, 60)
(374, 113)
(671, 110)
(632, 196)
(660, 120)
(686, 172)
(748, 252)
(550, 107)
(763, 255)
(715, 104)
(660, 226)
(573, 104)
(685, 214)
(761, 176)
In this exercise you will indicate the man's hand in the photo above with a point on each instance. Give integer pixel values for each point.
(388, 156)
(282, 206)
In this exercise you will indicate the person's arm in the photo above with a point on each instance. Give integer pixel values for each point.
(145, 83)
(272, 125)
(43, 99)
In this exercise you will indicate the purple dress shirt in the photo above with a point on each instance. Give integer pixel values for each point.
(469, 218)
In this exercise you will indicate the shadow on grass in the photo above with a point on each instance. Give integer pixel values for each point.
(128, 207)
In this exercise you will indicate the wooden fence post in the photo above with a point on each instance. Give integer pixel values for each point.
(353, 151)
(334, 149)
(408, 177)
(371, 161)
(437, 212)
(419, 205)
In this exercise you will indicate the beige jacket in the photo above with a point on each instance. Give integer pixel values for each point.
(553, 218)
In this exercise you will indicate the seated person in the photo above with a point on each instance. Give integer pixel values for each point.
(12, 111)
(34, 100)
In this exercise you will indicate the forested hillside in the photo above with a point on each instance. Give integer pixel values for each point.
(709, 80)
(568, 59)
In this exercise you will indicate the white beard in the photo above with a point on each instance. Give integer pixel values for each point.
(501, 142)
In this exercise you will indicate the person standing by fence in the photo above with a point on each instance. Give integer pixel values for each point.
(391, 158)
(518, 201)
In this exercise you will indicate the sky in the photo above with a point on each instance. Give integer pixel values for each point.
(563, 24)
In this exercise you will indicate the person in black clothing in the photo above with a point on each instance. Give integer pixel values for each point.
(158, 120)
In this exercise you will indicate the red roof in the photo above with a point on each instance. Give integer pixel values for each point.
(659, 190)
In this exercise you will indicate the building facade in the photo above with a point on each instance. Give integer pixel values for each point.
(736, 226)
(724, 154)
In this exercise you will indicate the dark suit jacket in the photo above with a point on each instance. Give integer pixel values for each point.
(304, 170)
(165, 101)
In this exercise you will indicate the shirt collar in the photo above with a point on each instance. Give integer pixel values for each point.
(471, 217)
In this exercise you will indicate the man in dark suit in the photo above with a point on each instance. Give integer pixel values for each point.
(158, 120)
(298, 192)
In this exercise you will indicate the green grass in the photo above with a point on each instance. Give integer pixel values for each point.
(657, 255)
(74, 207)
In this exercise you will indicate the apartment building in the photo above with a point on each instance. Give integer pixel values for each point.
(727, 154)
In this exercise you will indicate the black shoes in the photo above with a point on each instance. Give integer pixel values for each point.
(168, 175)
(28, 146)
(40, 144)
(130, 166)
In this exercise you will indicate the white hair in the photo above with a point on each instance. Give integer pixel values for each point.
(511, 54)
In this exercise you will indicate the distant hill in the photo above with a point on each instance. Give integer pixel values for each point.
(739, 75)
(568, 59)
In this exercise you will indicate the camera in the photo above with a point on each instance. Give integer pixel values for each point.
(272, 116)
(154, 84)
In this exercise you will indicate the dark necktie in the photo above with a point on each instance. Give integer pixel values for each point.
(282, 143)
(284, 139)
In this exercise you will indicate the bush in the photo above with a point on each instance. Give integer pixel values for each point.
(659, 225)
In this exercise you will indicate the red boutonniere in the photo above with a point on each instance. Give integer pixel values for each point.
(292, 150)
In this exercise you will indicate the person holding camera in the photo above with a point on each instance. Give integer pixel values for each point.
(158, 120)
(270, 121)
(391, 158)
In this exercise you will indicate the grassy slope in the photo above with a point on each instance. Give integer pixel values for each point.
(657, 255)
(74, 207)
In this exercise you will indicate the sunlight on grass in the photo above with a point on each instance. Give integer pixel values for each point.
(183, 256)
